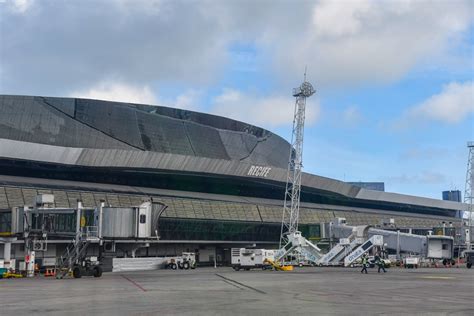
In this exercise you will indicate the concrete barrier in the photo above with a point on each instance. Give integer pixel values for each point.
(137, 264)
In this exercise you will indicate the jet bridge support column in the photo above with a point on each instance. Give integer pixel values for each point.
(7, 250)
(78, 225)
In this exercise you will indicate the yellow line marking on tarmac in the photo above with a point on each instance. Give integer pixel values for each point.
(437, 277)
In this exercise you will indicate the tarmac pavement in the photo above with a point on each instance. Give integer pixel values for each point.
(223, 291)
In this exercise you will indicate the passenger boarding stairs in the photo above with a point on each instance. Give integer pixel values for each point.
(375, 240)
(301, 245)
(340, 251)
(76, 251)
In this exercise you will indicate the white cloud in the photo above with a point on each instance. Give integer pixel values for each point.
(265, 111)
(120, 92)
(188, 100)
(19, 6)
(149, 7)
(348, 15)
(342, 42)
(354, 42)
(352, 116)
(453, 104)
(123, 92)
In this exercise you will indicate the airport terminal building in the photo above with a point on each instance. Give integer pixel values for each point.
(222, 180)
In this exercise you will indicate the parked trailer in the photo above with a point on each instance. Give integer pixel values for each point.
(411, 262)
(247, 259)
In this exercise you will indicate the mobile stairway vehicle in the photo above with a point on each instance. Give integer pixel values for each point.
(75, 259)
(375, 240)
(344, 247)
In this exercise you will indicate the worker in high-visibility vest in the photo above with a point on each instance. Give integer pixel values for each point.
(379, 262)
(83, 221)
(365, 263)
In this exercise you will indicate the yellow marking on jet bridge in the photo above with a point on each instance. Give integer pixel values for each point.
(437, 277)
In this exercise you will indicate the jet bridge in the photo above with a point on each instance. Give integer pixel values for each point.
(431, 246)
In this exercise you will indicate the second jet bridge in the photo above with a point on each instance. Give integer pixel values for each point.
(431, 246)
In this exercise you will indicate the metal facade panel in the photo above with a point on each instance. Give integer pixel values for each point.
(124, 201)
(29, 195)
(118, 222)
(206, 141)
(163, 134)
(235, 145)
(99, 197)
(226, 210)
(61, 200)
(113, 200)
(14, 197)
(65, 105)
(101, 124)
(114, 119)
(38, 152)
(408, 199)
(3, 198)
(30, 119)
(73, 197)
(88, 199)
(271, 150)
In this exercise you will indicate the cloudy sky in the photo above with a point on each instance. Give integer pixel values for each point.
(394, 79)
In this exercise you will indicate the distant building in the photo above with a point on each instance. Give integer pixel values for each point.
(453, 195)
(376, 186)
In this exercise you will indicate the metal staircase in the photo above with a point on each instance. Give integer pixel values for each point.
(299, 244)
(375, 240)
(341, 250)
(76, 251)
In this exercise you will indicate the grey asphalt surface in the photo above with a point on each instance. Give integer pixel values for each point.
(222, 291)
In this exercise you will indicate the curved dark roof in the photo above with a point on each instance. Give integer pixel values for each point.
(60, 137)
(95, 124)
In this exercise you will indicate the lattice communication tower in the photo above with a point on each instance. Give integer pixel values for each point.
(469, 188)
(291, 206)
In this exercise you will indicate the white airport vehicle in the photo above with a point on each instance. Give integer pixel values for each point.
(242, 258)
(411, 262)
(186, 261)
